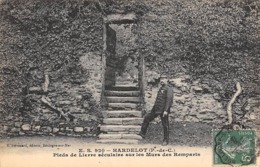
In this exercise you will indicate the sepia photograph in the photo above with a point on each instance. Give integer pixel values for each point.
(132, 83)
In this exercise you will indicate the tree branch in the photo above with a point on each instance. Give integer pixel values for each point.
(55, 109)
(44, 100)
(230, 103)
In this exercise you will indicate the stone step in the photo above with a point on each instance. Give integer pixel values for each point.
(112, 99)
(121, 113)
(117, 141)
(126, 84)
(123, 121)
(129, 83)
(120, 128)
(119, 136)
(123, 106)
(122, 93)
(121, 132)
(123, 88)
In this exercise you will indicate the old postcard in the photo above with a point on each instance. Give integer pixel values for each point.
(129, 83)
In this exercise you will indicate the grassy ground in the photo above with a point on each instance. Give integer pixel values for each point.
(182, 134)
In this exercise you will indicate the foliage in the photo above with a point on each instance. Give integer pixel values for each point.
(206, 39)
(43, 36)
(217, 39)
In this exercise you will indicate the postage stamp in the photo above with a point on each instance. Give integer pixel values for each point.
(234, 147)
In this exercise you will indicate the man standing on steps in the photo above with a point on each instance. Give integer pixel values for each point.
(161, 108)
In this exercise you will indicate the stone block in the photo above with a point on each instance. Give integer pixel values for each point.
(79, 97)
(179, 97)
(125, 93)
(177, 82)
(86, 105)
(121, 128)
(47, 129)
(247, 108)
(192, 119)
(78, 129)
(132, 121)
(66, 102)
(118, 141)
(37, 128)
(194, 101)
(197, 89)
(26, 127)
(216, 96)
(185, 89)
(123, 121)
(121, 113)
(194, 110)
(44, 118)
(35, 89)
(9, 118)
(204, 111)
(88, 129)
(254, 100)
(119, 136)
(180, 101)
(18, 124)
(71, 99)
(122, 106)
(177, 91)
(152, 76)
(206, 88)
(113, 99)
(69, 129)
(256, 109)
(207, 116)
(178, 119)
(21, 133)
(61, 133)
(14, 129)
(46, 111)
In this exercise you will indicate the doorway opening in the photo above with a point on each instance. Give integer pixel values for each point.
(122, 60)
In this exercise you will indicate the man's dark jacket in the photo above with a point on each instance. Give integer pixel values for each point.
(163, 100)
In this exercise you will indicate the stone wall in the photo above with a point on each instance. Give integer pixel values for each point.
(80, 101)
(92, 62)
(182, 37)
(169, 39)
(198, 100)
(68, 46)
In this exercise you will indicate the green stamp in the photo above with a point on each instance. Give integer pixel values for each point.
(234, 147)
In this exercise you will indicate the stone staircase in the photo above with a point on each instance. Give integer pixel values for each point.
(121, 118)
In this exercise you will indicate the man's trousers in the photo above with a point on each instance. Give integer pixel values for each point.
(165, 123)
